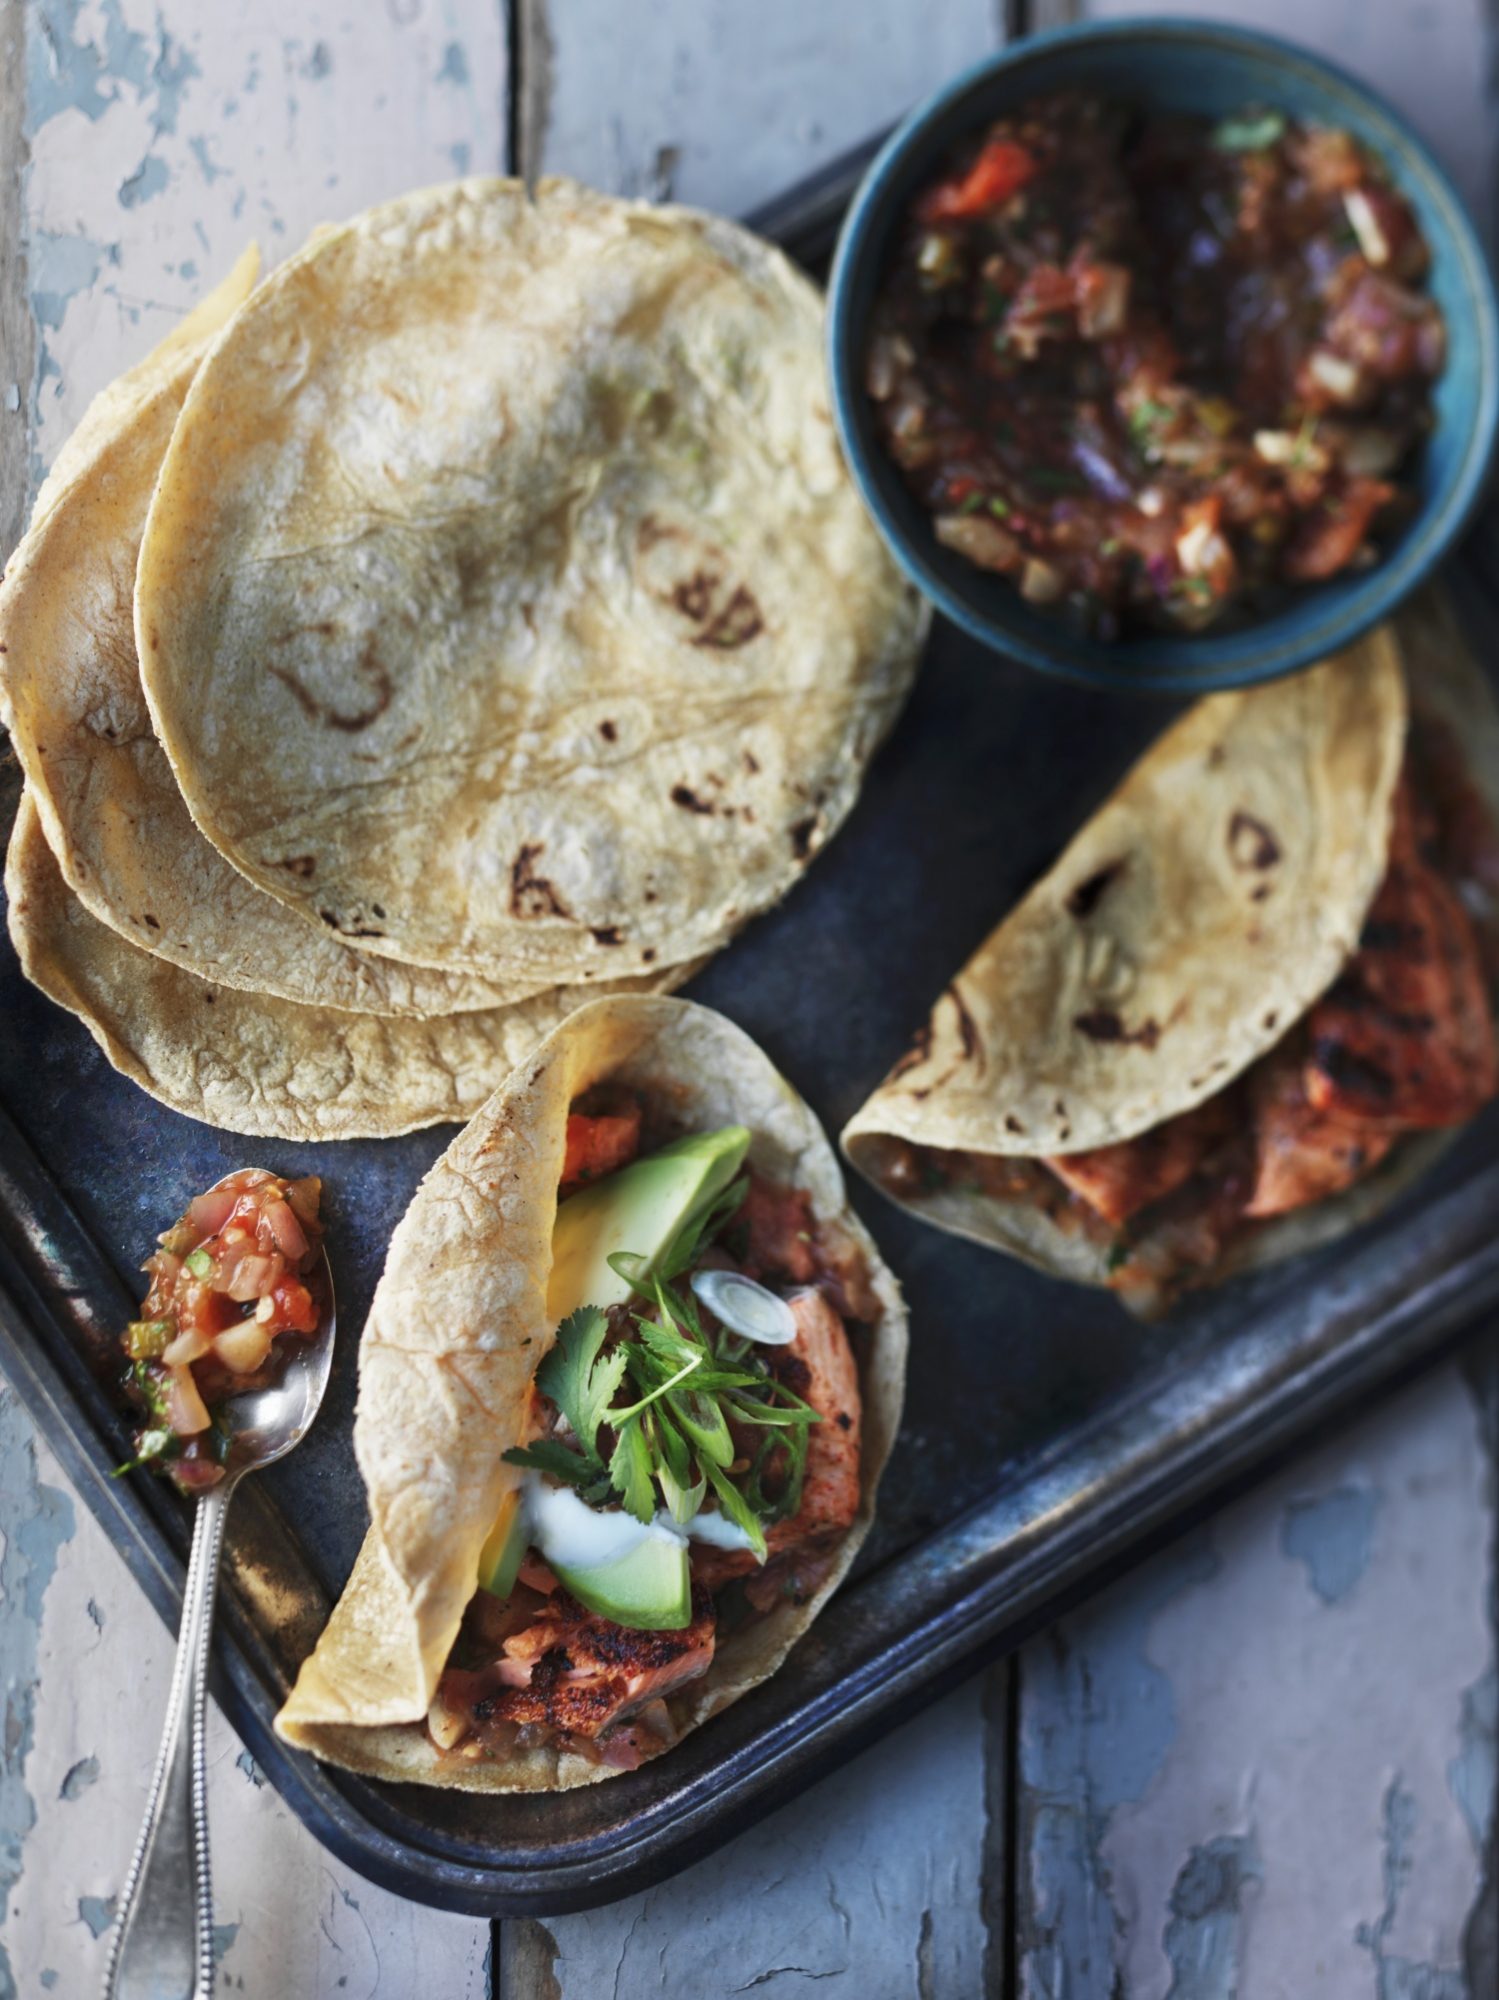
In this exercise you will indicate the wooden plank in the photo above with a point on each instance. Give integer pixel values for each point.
(1265, 1764)
(164, 134)
(869, 1888)
(722, 104)
(86, 1665)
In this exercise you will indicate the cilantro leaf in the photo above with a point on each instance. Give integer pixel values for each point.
(578, 1380)
(556, 1459)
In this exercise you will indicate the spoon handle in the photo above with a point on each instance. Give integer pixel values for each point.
(163, 1937)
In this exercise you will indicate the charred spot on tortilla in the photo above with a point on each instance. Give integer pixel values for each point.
(606, 934)
(1102, 1024)
(303, 866)
(751, 763)
(802, 836)
(1251, 844)
(648, 956)
(739, 621)
(609, 731)
(1084, 899)
(918, 1052)
(350, 721)
(150, 922)
(1013, 1124)
(685, 797)
(973, 1046)
(532, 895)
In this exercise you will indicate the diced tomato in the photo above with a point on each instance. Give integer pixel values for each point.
(598, 1146)
(200, 1309)
(1001, 170)
(293, 1309)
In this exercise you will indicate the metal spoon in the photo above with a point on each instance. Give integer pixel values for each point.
(162, 1946)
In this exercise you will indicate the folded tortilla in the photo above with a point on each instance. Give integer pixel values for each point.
(455, 1333)
(70, 693)
(1190, 924)
(246, 1061)
(550, 638)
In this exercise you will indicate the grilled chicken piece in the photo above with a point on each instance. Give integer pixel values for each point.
(819, 1367)
(779, 1225)
(1302, 1155)
(1118, 1181)
(1405, 1040)
(577, 1672)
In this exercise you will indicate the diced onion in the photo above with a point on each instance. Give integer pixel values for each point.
(1039, 582)
(745, 1307)
(187, 1413)
(1371, 238)
(209, 1212)
(1338, 377)
(242, 1348)
(187, 1347)
(286, 1229)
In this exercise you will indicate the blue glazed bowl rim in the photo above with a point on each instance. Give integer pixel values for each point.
(1284, 651)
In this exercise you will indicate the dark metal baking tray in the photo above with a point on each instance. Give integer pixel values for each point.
(1047, 1438)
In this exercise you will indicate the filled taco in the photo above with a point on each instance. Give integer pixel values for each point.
(1239, 1011)
(626, 1389)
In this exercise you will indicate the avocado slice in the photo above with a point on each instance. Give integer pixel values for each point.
(505, 1550)
(649, 1589)
(644, 1208)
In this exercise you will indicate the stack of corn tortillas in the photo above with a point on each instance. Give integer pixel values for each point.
(471, 619)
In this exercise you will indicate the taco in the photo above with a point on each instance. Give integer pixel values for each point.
(626, 1389)
(1232, 1019)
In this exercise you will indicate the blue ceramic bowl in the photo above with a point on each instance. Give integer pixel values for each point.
(1189, 67)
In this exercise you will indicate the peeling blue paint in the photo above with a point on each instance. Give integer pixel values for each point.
(1403, 1978)
(47, 1978)
(35, 1521)
(1333, 1535)
(150, 178)
(173, 70)
(1473, 1774)
(223, 1936)
(1203, 1938)
(246, 1763)
(96, 1616)
(210, 169)
(78, 1778)
(62, 266)
(319, 64)
(461, 153)
(98, 1912)
(62, 73)
(1098, 1720)
(454, 65)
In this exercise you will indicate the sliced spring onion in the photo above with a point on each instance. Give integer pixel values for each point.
(200, 1263)
(745, 1307)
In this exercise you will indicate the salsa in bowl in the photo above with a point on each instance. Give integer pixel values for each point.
(1163, 354)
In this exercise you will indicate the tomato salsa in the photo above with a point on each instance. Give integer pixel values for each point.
(1156, 369)
(234, 1282)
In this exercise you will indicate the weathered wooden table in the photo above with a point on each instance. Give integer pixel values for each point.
(1262, 1765)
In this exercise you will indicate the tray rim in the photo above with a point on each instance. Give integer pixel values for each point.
(1333, 1353)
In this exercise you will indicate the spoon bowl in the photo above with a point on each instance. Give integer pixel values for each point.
(162, 1947)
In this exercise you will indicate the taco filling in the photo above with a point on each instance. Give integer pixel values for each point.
(235, 1283)
(1402, 1042)
(692, 1450)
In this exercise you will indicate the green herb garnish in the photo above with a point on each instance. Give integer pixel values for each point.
(147, 1339)
(674, 1440)
(200, 1263)
(1249, 131)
